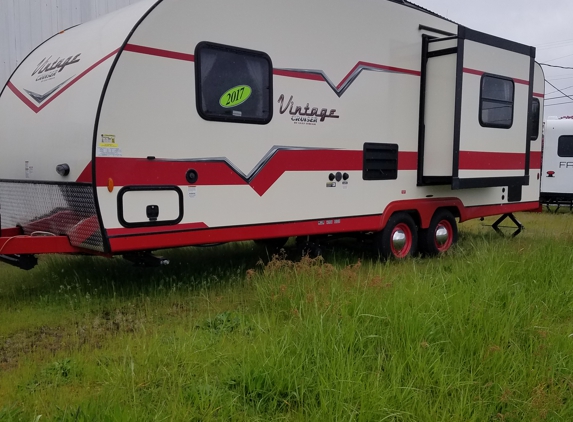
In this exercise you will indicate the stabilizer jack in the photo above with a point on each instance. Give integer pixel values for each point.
(518, 226)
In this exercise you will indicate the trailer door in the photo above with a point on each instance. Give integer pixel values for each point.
(478, 100)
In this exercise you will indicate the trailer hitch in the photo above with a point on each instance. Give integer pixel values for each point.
(24, 262)
(518, 226)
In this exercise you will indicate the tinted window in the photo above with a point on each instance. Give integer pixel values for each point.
(565, 146)
(496, 102)
(535, 110)
(233, 84)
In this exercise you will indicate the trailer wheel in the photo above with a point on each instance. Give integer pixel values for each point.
(441, 235)
(399, 239)
(308, 246)
(272, 245)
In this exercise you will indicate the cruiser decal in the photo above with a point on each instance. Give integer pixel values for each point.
(39, 98)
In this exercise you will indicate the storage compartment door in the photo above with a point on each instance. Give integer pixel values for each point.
(147, 206)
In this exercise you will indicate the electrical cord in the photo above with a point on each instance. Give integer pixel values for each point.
(22, 236)
(554, 65)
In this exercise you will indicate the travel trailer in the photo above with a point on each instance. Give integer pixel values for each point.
(175, 123)
(557, 180)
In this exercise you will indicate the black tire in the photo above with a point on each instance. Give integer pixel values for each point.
(440, 236)
(309, 247)
(399, 239)
(272, 245)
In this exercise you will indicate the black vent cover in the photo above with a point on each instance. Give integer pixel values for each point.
(514, 193)
(380, 162)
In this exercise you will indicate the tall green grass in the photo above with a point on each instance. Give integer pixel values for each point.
(484, 333)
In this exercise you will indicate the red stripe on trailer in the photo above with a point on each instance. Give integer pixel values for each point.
(19, 245)
(535, 160)
(480, 73)
(298, 75)
(232, 234)
(470, 213)
(161, 229)
(10, 232)
(474, 160)
(426, 208)
(37, 109)
(22, 97)
(408, 160)
(520, 81)
(304, 160)
(141, 171)
(290, 73)
(473, 71)
(379, 67)
(479, 160)
(134, 48)
(86, 175)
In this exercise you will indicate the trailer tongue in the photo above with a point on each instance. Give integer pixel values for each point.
(19, 250)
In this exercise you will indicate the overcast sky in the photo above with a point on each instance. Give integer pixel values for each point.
(544, 24)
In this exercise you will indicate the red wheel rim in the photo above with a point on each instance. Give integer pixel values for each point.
(443, 236)
(401, 240)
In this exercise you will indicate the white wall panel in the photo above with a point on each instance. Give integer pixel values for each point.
(24, 24)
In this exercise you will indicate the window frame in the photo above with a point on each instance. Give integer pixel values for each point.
(482, 99)
(199, 87)
(559, 144)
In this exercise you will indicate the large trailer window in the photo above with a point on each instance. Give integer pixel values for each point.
(496, 102)
(233, 84)
(534, 122)
(565, 146)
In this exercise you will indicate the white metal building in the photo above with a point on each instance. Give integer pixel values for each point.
(24, 24)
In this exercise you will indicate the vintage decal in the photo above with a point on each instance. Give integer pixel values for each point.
(235, 96)
(305, 115)
(47, 69)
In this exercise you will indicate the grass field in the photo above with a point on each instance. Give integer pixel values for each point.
(484, 333)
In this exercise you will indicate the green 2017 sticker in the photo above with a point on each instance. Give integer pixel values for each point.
(235, 96)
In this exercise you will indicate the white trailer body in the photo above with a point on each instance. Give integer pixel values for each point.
(557, 180)
(172, 123)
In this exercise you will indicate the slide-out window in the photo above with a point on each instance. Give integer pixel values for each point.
(565, 146)
(233, 84)
(535, 110)
(496, 102)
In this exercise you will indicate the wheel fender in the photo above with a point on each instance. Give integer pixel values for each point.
(424, 209)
